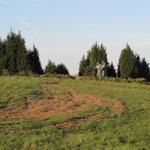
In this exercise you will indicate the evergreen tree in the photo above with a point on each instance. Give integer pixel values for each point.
(34, 61)
(16, 53)
(30, 61)
(11, 51)
(50, 68)
(15, 58)
(102, 55)
(2, 56)
(145, 70)
(61, 69)
(137, 67)
(83, 66)
(118, 71)
(111, 72)
(21, 54)
(97, 54)
(127, 62)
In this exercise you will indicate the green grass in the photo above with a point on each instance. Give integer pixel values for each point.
(128, 131)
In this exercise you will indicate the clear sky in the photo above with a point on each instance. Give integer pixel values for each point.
(63, 30)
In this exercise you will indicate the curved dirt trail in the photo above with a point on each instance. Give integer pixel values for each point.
(58, 106)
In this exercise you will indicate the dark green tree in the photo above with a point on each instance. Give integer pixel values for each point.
(118, 71)
(34, 61)
(61, 69)
(127, 62)
(2, 55)
(83, 66)
(144, 69)
(30, 60)
(111, 72)
(16, 53)
(21, 54)
(50, 68)
(137, 67)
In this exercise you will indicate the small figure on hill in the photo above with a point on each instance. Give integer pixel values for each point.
(101, 69)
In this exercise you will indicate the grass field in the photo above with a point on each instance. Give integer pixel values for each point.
(47, 113)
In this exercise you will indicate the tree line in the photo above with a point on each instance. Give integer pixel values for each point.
(15, 58)
(130, 64)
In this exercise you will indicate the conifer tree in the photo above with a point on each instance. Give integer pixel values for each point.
(127, 62)
(83, 66)
(50, 68)
(61, 69)
(111, 72)
(2, 56)
(21, 54)
(97, 54)
(118, 71)
(16, 53)
(137, 68)
(145, 70)
(34, 61)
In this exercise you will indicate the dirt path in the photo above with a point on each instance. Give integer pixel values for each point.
(58, 106)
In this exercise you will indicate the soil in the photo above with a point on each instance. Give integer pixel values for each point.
(57, 106)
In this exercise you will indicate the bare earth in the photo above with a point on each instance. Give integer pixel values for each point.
(58, 106)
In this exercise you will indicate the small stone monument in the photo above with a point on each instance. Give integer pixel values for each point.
(101, 69)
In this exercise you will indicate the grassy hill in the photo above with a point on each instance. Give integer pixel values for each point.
(64, 114)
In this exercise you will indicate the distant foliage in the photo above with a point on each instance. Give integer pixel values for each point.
(2, 55)
(61, 69)
(111, 72)
(131, 66)
(97, 54)
(15, 58)
(34, 61)
(83, 66)
(127, 62)
(16, 53)
(50, 68)
(144, 71)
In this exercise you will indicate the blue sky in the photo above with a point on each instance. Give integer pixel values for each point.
(64, 30)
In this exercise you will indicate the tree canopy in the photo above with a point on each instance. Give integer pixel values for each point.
(50, 68)
(97, 54)
(15, 58)
(131, 65)
(127, 62)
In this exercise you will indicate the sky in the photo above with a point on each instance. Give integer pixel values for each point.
(64, 30)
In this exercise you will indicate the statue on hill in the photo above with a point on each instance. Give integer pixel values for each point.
(101, 69)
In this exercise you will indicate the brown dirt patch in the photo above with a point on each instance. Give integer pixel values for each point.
(118, 106)
(58, 106)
